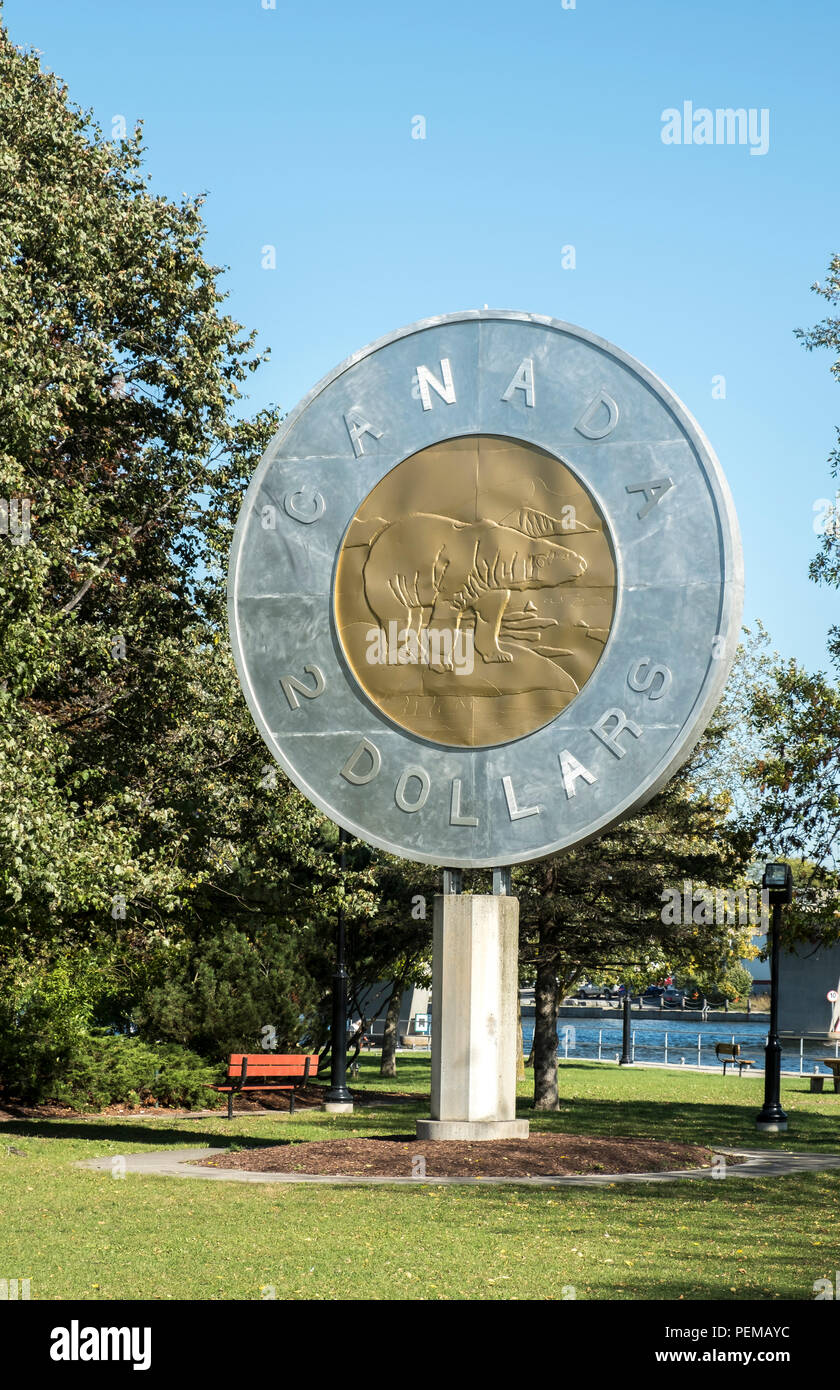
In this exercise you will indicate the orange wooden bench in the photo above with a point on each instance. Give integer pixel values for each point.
(266, 1071)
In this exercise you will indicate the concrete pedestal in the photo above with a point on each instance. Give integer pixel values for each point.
(338, 1107)
(475, 979)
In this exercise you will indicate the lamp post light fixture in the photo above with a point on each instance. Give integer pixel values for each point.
(771, 1119)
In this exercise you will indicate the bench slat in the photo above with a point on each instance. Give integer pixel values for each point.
(255, 1069)
(258, 1087)
(261, 1065)
(275, 1057)
(272, 1058)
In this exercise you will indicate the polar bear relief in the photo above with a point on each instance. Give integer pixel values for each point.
(430, 572)
(474, 591)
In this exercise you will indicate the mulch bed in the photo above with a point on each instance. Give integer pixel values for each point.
(542, 1155)
(313, 1094)
(306, 1097)
(50, 1110)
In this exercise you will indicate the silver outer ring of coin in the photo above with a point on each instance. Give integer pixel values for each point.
(675, 628)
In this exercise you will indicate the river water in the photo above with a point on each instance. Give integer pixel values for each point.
(580, 1039)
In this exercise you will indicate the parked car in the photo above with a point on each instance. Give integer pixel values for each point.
(619, 992)
(672, 998)
(589, 992)
(654, 992)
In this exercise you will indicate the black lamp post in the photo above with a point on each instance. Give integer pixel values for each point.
(626, 1058)
(338, 1096)
(778, 881)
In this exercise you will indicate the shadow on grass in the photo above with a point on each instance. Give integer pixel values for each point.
(691, 1121)
(701, 1260)
(136, 1135)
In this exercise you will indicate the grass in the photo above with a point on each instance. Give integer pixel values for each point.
(80, 1234)
(694, 1107)
(652, 1103)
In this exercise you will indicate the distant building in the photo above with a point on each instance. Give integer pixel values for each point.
(759, 969)
(807, 976)
(415, 1019)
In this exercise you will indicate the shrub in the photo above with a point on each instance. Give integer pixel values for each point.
(45, 1015)
(108, 1069)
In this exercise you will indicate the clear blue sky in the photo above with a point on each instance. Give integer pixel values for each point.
(543, 130)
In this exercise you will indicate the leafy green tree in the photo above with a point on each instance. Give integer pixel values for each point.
(144, 824)
(792, 719)
(789, 729)
(798, 779)
(389, 936)
(46, 1010)
(600, 907)
(795, 716)
(796, 785)
(732, 743)
(725, 981)
(119, 376)
(825, 568)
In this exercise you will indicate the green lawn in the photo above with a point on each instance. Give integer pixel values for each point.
(79, 1234)
(694, 1107)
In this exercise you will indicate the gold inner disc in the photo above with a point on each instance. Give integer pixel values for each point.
(475, 590)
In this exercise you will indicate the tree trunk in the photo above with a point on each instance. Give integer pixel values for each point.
(388, 1065)
(520, 1050)
(356, 1042)
(545, 1039)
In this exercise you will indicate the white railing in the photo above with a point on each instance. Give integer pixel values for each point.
(644, 1052)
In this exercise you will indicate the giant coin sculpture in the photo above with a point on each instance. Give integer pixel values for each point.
(485, 589)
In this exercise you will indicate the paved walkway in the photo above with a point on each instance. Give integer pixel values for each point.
(751, 1163)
